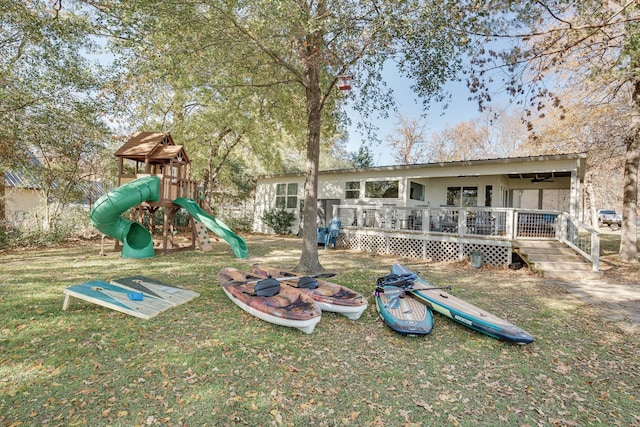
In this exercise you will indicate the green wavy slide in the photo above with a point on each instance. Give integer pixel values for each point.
(237, 243)
(137, 241)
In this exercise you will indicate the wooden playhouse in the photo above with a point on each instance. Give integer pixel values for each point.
(155, 153)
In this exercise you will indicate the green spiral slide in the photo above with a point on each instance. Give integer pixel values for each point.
(137, 241)
(237, 243)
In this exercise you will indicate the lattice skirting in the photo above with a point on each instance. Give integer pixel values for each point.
(426, 247)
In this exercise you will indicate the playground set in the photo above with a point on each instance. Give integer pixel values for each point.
(154, 173)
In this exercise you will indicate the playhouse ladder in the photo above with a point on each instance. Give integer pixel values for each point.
(202, 236)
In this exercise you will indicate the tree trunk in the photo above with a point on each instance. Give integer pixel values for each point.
(309, 262)
(628, 239)
(3, 222)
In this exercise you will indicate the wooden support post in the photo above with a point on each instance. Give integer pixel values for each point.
(67, 301)
(165, 228)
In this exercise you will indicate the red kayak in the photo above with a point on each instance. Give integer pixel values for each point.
(329, 296)
(265, 299)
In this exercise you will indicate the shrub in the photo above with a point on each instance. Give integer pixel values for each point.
(242, 224)
(279, 220)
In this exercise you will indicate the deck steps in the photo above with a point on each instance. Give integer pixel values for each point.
(554, 260)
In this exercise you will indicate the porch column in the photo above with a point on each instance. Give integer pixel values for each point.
(574, 195)
(426, 220)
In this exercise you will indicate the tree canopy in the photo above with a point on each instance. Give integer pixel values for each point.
(50, 104)
(276, 64)
(536, 49)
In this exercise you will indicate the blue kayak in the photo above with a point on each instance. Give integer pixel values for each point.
(461, 311)
(402, 312)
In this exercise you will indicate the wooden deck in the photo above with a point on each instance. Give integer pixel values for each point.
(450, 234)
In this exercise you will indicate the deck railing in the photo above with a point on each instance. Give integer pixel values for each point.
(581, 237)
(475, 222)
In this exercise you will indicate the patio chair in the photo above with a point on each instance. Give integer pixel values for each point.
(332, 233)
(485, 223)
(448, 222)
(322, 235)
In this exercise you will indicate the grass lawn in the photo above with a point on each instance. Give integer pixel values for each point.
(209, 363)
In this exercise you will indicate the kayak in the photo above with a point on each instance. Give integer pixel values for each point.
(329, 296)
(403, 312)
(461, 311)
(265, 299)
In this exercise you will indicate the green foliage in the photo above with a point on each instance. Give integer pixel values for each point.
(35, 238)
(363, 158)
(242, 224)
(52, 117)
(257, 80)
(279, 219)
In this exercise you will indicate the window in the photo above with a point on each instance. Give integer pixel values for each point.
(352, 190)
(381, 189)
(462, 196)
(287, 196)
(416, 191)
(488, 195)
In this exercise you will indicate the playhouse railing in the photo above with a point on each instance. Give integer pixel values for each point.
(171, 187)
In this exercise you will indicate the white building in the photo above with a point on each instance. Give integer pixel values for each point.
(430, 210)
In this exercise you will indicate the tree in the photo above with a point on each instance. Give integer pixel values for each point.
(363, 158)
(587, 128)
(217, 120)
(492, 135)
(409, 144)
(536, 43)
(294, 51)
(62, 153)
(49, 103)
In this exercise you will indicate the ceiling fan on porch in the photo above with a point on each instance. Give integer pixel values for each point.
(542, 178)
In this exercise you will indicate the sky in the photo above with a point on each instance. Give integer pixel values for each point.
(437, 118)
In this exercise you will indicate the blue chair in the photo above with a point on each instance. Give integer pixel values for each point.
(332, 233)
(322, 235)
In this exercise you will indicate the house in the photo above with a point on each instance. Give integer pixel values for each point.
(21, 197)
(440, 210)
(24, 196)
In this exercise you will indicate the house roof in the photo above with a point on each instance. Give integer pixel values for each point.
(20, 180)
(90, 190)
(580, 159)
(155, 146)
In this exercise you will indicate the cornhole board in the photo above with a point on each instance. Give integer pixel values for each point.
(156, 289)
(118, 298)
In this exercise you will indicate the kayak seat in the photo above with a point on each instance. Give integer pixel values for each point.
(267, 287)
(307, 282)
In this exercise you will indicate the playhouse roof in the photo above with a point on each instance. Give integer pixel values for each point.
(175, 152)
(155, 146)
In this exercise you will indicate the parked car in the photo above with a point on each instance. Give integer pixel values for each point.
(609, 217)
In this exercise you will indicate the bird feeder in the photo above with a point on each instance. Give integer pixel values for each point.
(344, 82)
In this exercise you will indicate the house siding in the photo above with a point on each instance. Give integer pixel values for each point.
(19, 202)
(436, 178)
